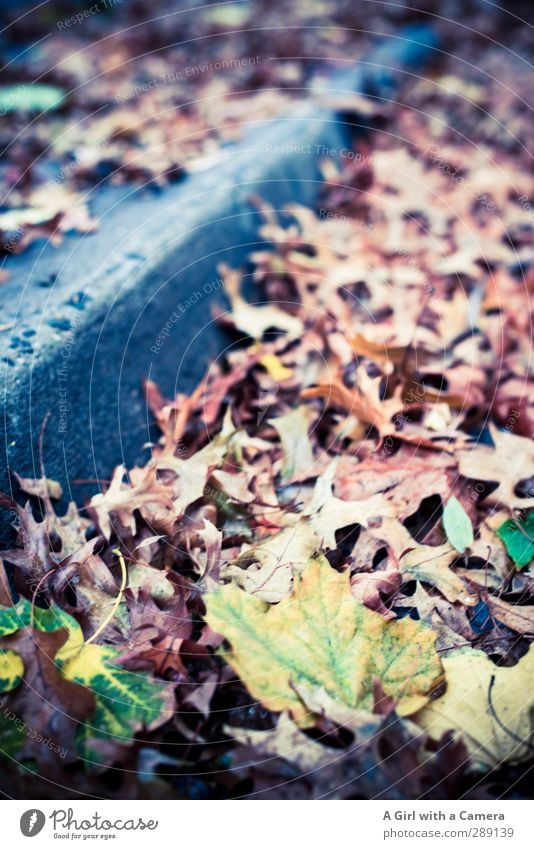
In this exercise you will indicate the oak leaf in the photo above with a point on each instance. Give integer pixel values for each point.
(292, 429)
(364, 768)
(255, 319)
(369, 587)
(432, 565)
(517, 617)
(508, 463)
(274, 561)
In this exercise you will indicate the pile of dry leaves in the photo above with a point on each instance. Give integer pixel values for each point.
(142, 96)
(320, 586)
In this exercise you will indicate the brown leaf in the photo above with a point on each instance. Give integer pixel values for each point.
(519, 618)
(369, 587)
(508, 463)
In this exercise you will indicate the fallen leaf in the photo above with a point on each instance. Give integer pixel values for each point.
(40, 487)
(30, 97)
(369, 587)
(293, 432)
(46, 701)
(508, 463)
(518, 538)
(431, 565)
(254, 319)
(517, 617)
(275, 368)
(488, 706)
(11, 670)
(337, 514)
(278, 559)
(322, 637)
(457, 524)
(79, 681)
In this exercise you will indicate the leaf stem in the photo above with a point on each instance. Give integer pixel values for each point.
(117, 601)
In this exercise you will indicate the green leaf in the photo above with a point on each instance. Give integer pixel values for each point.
(11, 728)
(228, 15)
(30, 97)
(44, 619)
(13, 618)
(518, 538)
(457, 524)
(125, 701)
(322, 637)
(11, 670)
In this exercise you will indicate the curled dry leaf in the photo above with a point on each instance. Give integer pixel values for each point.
(432, 565)
(273, 563)
(371, 587)
(507, 464)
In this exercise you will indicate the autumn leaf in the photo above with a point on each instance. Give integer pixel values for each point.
(490, 707)
(13, 618)
(518, 538)
(380, 350)
(432, 565)
(11, 670)
(321, 636)
(369, 587)
(293, 432)
(518, 617)
(90, 578)
(45, 700)
(457, 525)
(508, 463)
(273, 562)
(327, 514)
(124, 701)
(40, 487)
(275, 368)
(365, 767)
(256, 319)
(363, 401)
(337, 514)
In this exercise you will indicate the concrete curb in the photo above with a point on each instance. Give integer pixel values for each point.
(91, 317)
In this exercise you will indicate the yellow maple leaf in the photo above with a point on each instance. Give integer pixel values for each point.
(321, 636)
